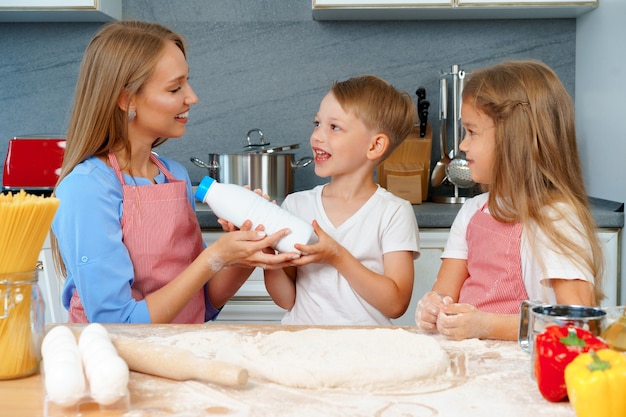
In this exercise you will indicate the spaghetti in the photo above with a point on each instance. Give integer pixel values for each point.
(25, 221)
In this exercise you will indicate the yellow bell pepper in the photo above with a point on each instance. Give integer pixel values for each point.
(596, 383)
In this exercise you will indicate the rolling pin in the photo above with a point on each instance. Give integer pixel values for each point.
(177, 364)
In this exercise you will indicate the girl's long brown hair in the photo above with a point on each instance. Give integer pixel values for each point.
(537, 164)
(119, 60)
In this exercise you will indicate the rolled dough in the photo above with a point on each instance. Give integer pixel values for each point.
(327, 358)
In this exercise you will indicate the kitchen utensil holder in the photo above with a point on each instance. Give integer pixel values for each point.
(406, 171)
(457, 75)
(453, 199)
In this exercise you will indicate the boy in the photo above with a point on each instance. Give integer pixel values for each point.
(360, 272)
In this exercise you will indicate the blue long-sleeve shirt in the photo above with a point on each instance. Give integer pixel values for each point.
(88, 229)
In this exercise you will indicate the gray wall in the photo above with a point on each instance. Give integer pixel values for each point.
(600, 75)
(265, 64)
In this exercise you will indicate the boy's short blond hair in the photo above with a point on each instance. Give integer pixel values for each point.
(378, 105)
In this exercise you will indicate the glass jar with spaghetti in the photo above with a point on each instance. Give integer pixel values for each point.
(21, 324)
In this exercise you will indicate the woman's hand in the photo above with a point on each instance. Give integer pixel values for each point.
(227, 226)
(428, 310)
(248, 248)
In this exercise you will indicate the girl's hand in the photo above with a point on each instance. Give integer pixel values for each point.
(427, 311)
(462, 321)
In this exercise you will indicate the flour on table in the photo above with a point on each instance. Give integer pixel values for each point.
(325, 358)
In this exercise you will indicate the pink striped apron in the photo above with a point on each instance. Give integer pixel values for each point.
(494, 264)
(162, 235)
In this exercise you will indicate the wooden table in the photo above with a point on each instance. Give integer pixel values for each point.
(486, 378)
(24, 397)
(21, 397)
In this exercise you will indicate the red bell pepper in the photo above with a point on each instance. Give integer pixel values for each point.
(555, 348)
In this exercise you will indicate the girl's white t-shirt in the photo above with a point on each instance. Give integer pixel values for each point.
(537, 283)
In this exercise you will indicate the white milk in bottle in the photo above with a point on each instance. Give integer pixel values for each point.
(238, 204)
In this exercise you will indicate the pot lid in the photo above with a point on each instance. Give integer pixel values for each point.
(264, 147)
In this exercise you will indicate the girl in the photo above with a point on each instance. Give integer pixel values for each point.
(532, 235)
(126, 235)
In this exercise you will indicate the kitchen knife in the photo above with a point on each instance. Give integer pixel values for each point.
(421, 94)
(422, 109)
(423, 116)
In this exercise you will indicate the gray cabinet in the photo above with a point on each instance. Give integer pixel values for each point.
(252, 304)
(449, 9)
(60, 10)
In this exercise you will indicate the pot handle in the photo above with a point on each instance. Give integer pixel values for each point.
(261, 138)
(199, 163)
(301, 163)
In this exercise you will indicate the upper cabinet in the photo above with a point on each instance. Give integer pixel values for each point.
(60, 10)
(449, 9)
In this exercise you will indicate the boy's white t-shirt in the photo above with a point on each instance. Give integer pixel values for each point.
(385, 223)
(536, 283)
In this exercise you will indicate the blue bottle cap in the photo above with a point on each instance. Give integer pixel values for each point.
(203, 187)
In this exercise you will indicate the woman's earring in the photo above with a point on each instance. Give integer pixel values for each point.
(131, 115)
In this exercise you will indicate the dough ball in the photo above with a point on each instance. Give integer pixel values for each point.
(342, 358)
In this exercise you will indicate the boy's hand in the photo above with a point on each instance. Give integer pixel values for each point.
(325, 251)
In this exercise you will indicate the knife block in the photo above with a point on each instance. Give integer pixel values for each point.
(406, 171)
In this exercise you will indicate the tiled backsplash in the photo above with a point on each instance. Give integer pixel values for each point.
(265, 64)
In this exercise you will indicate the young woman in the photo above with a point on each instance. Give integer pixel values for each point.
(532, 235)
(126, 235)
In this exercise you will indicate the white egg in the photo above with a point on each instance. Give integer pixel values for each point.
(96, 354)
(90, 337)
(89, 341)
(68, 357)
(60, 330)
(58, 345)
(108, 380)
(96, 328)
(56, 335)
(64, 385)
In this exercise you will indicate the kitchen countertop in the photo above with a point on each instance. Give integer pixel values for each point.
(484, 378)
(607, 214)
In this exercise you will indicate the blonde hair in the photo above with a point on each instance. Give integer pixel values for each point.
(537, 163)
(120, 58)
(378, 105)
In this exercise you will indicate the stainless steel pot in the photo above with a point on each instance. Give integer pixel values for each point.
(260, 166)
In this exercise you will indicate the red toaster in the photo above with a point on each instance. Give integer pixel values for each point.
(33, 162)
